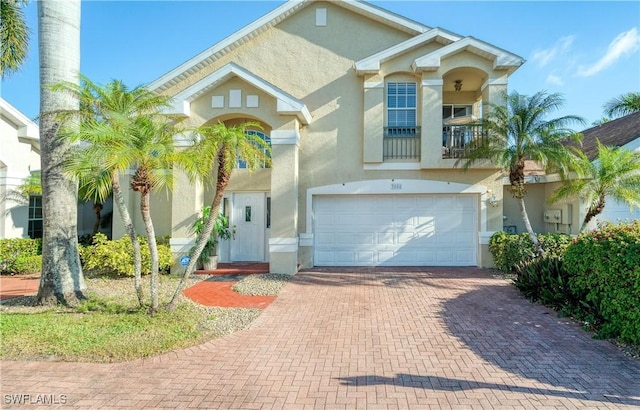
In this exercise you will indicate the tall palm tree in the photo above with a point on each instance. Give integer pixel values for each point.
(61, 280)
(615, 173)
(14, 36)
(518, 131)
(105, 151)
(622, 105)
(217, 148)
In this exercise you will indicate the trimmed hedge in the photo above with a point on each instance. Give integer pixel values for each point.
(115, 257)
(605, 267)
(20, 256)
(511, 250)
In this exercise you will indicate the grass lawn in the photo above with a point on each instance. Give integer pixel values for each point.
(110, 326)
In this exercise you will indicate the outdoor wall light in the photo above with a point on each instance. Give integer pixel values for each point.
(458, 85)
(493, 201)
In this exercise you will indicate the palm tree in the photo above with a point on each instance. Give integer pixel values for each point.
(615, 173)
(61, 280)
(14, 36)
(104, 146)
(218, 147)
(518, 131)
(622, 105)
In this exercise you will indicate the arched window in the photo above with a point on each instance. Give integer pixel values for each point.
(240, 164)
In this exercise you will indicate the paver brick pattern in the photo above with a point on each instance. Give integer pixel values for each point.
(357, 338)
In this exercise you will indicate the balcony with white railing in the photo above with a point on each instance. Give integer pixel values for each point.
(401, 143)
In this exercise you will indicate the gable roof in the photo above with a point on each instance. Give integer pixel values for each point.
(621, 132)
(270, 20)
(286, 104)
(502, 59)
(372, 63)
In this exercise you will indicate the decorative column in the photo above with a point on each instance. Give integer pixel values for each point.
(283, 244)
(431, 122)
(493, 93)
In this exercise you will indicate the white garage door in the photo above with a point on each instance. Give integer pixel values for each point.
(395, 230)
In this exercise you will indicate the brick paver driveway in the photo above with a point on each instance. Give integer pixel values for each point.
(365, 338)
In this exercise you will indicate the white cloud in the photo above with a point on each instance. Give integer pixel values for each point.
(555, 80)
(625, 43)
(544, 56)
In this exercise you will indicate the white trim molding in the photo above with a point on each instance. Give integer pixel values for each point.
(369, 85)
(285, 137)
(270, 20)
(286, 104)
(371, 64)
(427, 82)
(502, 60)
(281, 245)
(392, 166)
(306, 239)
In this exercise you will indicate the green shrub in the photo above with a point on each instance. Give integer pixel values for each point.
(605, 266)
(115, 257)
(509, 250)
(545, 280)
(25, 265)
(13, 249)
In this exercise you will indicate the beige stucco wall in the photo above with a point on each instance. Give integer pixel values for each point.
(315, 65)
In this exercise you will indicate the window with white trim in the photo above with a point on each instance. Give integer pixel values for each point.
(401, 104)
(240, 164)
(34, 229)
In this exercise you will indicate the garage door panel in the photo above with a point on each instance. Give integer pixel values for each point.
(395, 230)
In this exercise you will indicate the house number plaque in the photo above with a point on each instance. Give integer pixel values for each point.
(396, 187)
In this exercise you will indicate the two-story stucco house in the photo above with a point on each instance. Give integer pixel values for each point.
(365, 111)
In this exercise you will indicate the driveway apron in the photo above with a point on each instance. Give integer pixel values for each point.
(364, 338)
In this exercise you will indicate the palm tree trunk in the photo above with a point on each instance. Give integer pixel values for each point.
(593, 211)
(128, 226)
(145, 210)
(527, 226)
(62, 280)
(222, 181)
(97, 208)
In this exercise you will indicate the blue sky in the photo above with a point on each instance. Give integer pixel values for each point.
(588, 51)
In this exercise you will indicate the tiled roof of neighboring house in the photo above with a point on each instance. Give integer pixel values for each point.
(617, 133)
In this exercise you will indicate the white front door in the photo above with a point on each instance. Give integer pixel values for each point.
(247, 227)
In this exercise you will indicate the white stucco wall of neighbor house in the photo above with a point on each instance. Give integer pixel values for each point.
(314, 64)
(19, 155)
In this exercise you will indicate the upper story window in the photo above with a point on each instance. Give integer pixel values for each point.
(450, 111)
(401, 104)
(34, 229)
(242, 164)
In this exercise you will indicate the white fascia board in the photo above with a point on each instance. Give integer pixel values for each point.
(274, 16)
(27, 129)
(271, 19)
(502, 59)
(286, 104)
(385, 16)
(371, 64)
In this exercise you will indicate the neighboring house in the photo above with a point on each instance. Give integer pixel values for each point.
(622, 132)
(366, 114)
(19, 156)
(567, 217)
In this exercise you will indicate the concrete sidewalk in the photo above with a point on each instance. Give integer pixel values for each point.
(364, 338)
